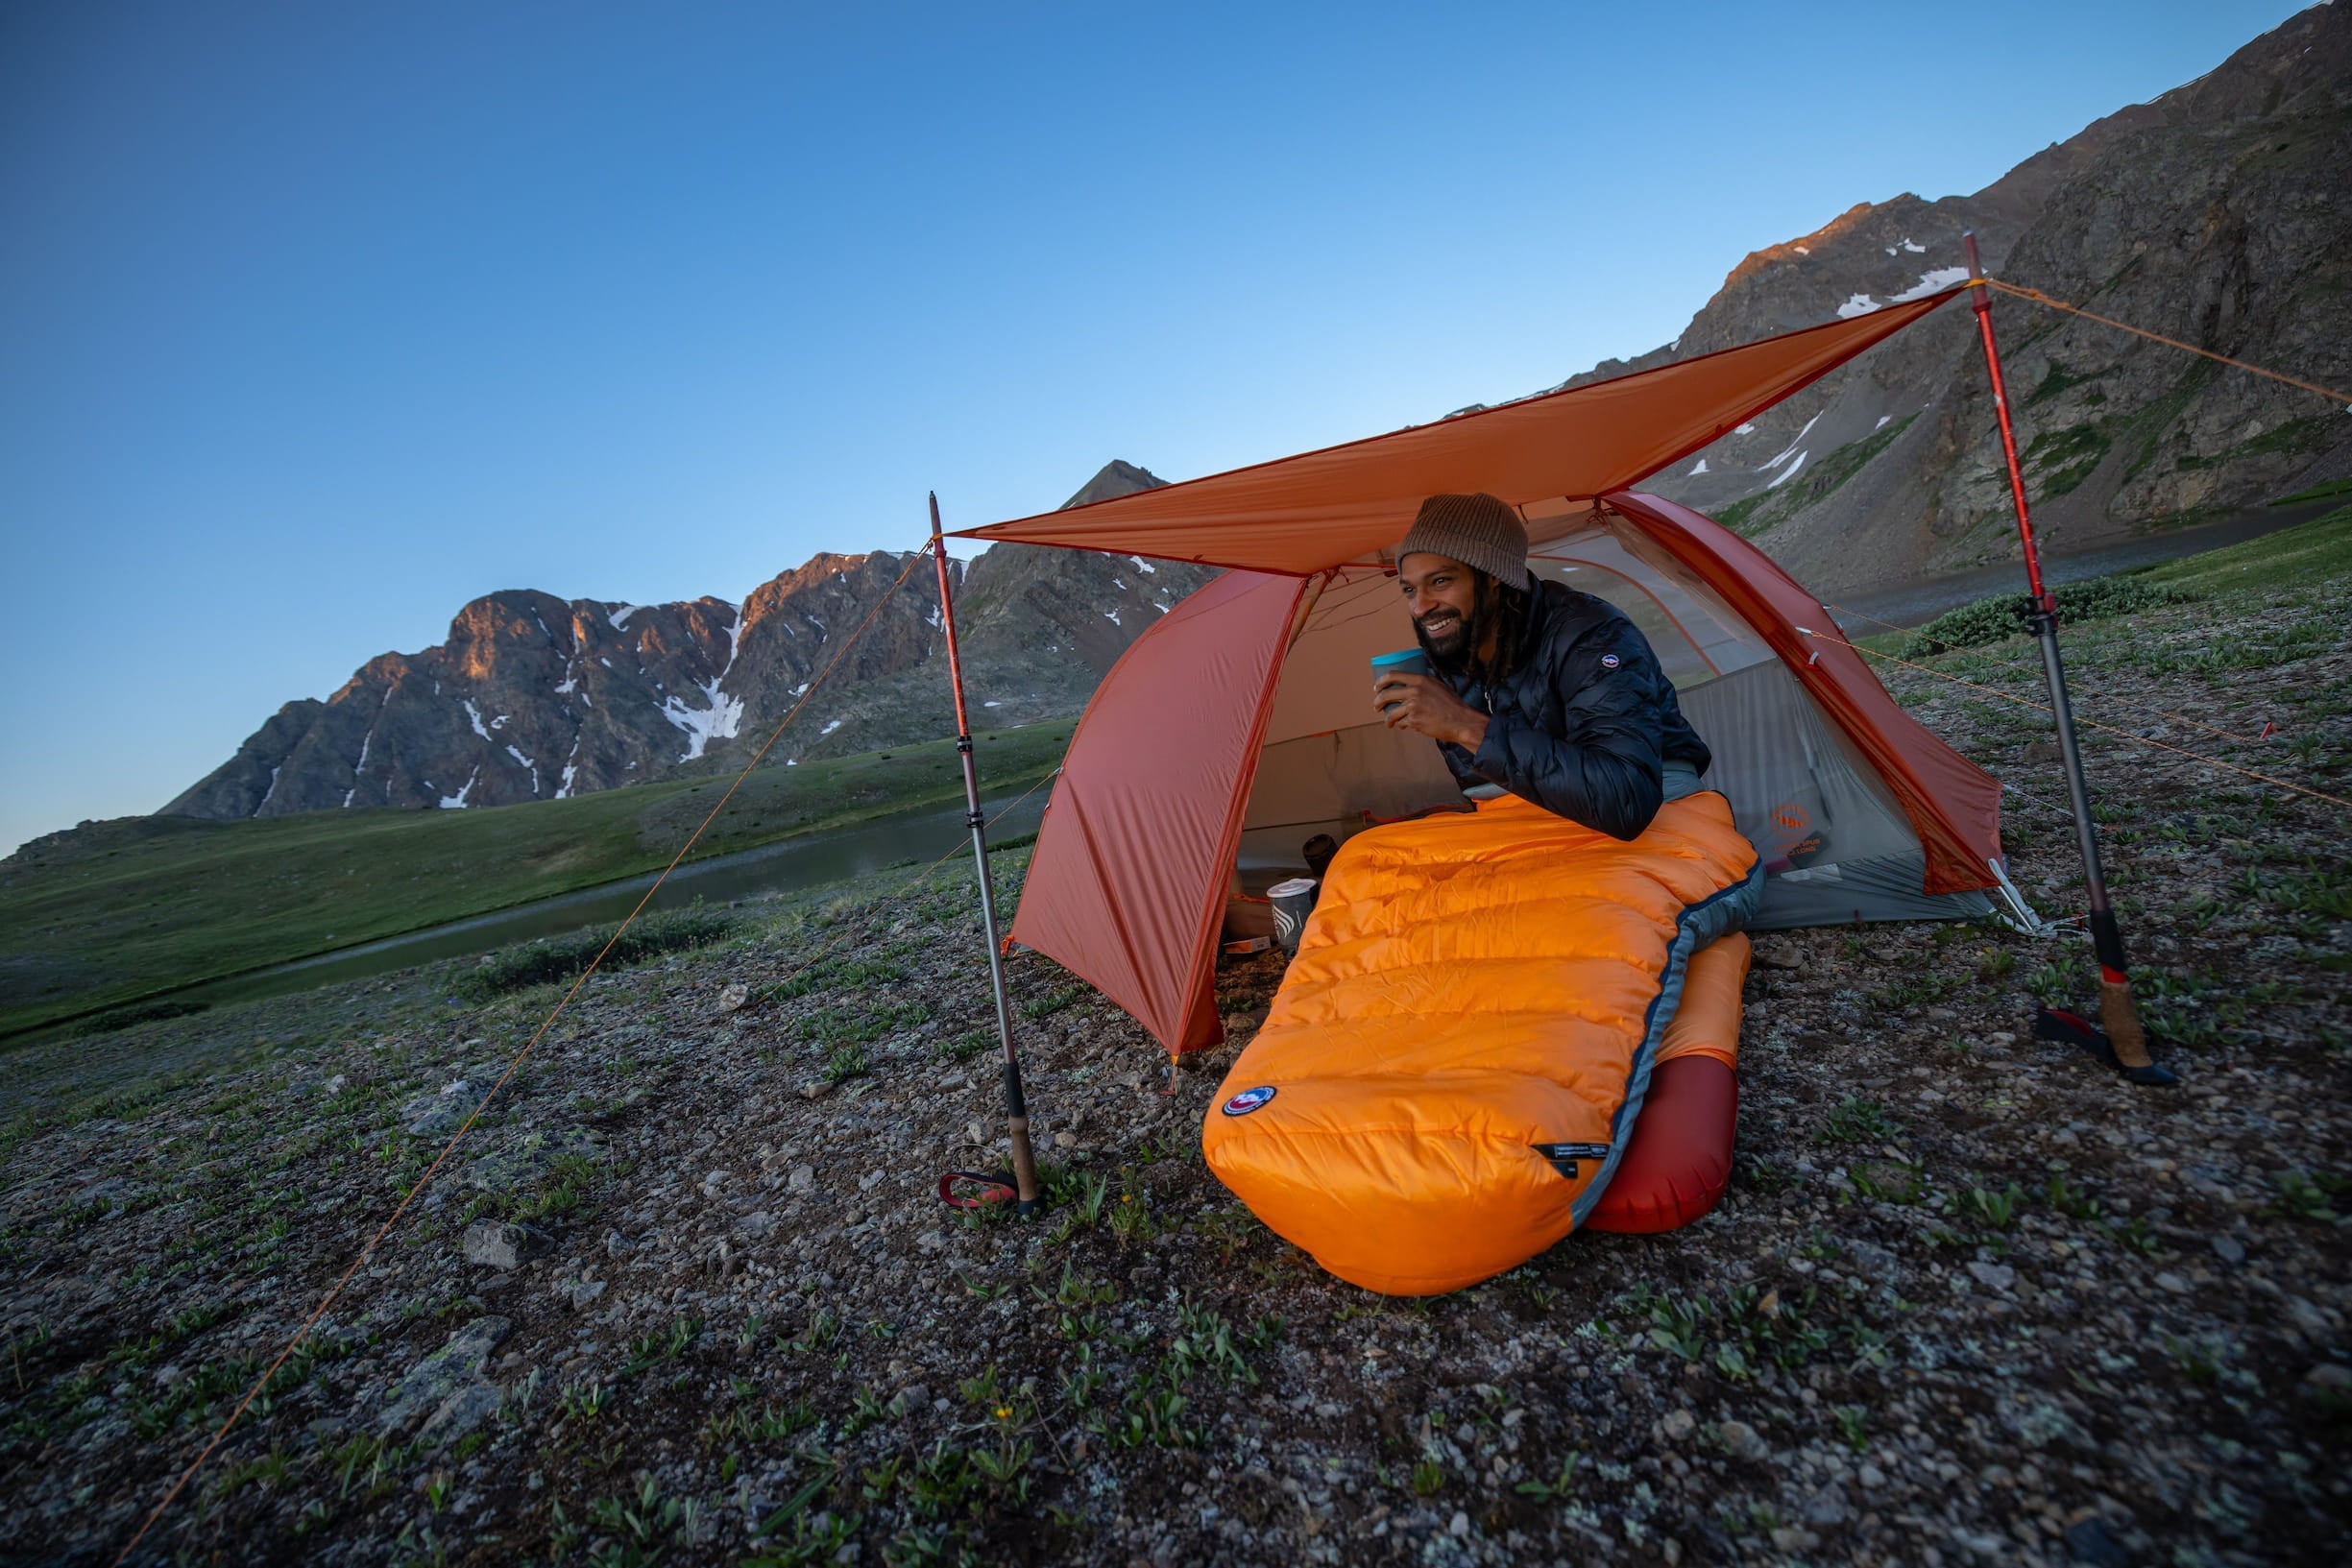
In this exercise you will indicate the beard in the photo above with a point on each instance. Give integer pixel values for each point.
(1445, 635)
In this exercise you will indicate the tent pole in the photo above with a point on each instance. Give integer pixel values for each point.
(2126, 1037)
(1016, 1108)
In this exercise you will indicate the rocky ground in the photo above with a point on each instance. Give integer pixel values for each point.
(686, 1295)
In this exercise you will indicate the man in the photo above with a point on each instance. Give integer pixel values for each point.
(1539, 690)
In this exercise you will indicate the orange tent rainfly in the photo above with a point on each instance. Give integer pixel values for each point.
(1239, 725)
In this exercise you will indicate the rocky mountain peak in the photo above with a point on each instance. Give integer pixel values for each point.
(1114, 478)
(2214, 213)
(533, 697)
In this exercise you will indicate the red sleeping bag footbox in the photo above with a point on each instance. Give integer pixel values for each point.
(1678, 1162)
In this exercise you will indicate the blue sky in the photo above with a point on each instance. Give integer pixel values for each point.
(318, 321)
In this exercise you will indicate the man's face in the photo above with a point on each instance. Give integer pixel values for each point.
(1440, 595)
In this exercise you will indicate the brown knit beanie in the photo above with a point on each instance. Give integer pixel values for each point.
(1479, 531)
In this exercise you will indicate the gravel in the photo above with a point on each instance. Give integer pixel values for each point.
(1970, 1299)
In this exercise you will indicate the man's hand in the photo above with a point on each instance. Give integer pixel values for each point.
(1427, 706)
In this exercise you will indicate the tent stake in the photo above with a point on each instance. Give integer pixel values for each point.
(2126, 1040)
(1016, 1108)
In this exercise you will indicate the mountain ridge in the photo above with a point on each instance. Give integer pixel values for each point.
(533, 697)
(2215, 212)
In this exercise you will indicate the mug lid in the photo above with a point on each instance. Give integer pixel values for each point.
(1297, 884)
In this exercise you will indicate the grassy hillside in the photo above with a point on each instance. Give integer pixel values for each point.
(129, 908)
(2315, 557)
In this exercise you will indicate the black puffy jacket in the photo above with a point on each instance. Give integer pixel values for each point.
(1585, 720)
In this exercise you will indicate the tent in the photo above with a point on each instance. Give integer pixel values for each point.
(1239, 724)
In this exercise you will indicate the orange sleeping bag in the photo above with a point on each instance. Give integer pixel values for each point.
(1453, 1068)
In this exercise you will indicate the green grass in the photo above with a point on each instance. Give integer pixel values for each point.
(1769, 508)
(1995, 620)
(2326, 492)
(561, 958)
(2303, 556)
(2310, 557)
(2060, 460)
(126, 910)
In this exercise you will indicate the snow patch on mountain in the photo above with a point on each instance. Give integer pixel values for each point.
(717, 720)
(1931, 283)
(1790, 451)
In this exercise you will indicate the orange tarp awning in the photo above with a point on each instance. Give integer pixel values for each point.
(1322, 509)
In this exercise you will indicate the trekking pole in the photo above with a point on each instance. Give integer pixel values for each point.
(2124, 1043)
(1016, 1108)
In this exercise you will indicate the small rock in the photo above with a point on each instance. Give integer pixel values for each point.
(816, 1089)
(1459, 1524)
(1678, 1425)
(753, 1226)
(584, 1294)
(912, 1398)
(2088, 1539)
(2041, 751)
(472, 1404)
(333, 1085)
(1874, 1262)
(430, 1115)
(801, 1178)
(1775, 955)
(1741, 1440)
(1825, 1508)
(1065, 1140)
(2329, 1378)
(977, 1131)
(732, 998)
(1993, 1277)
(2170, 1281)
(1871, 1477)
(497, 1244)
(432, 1381)
(2228, 1250)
